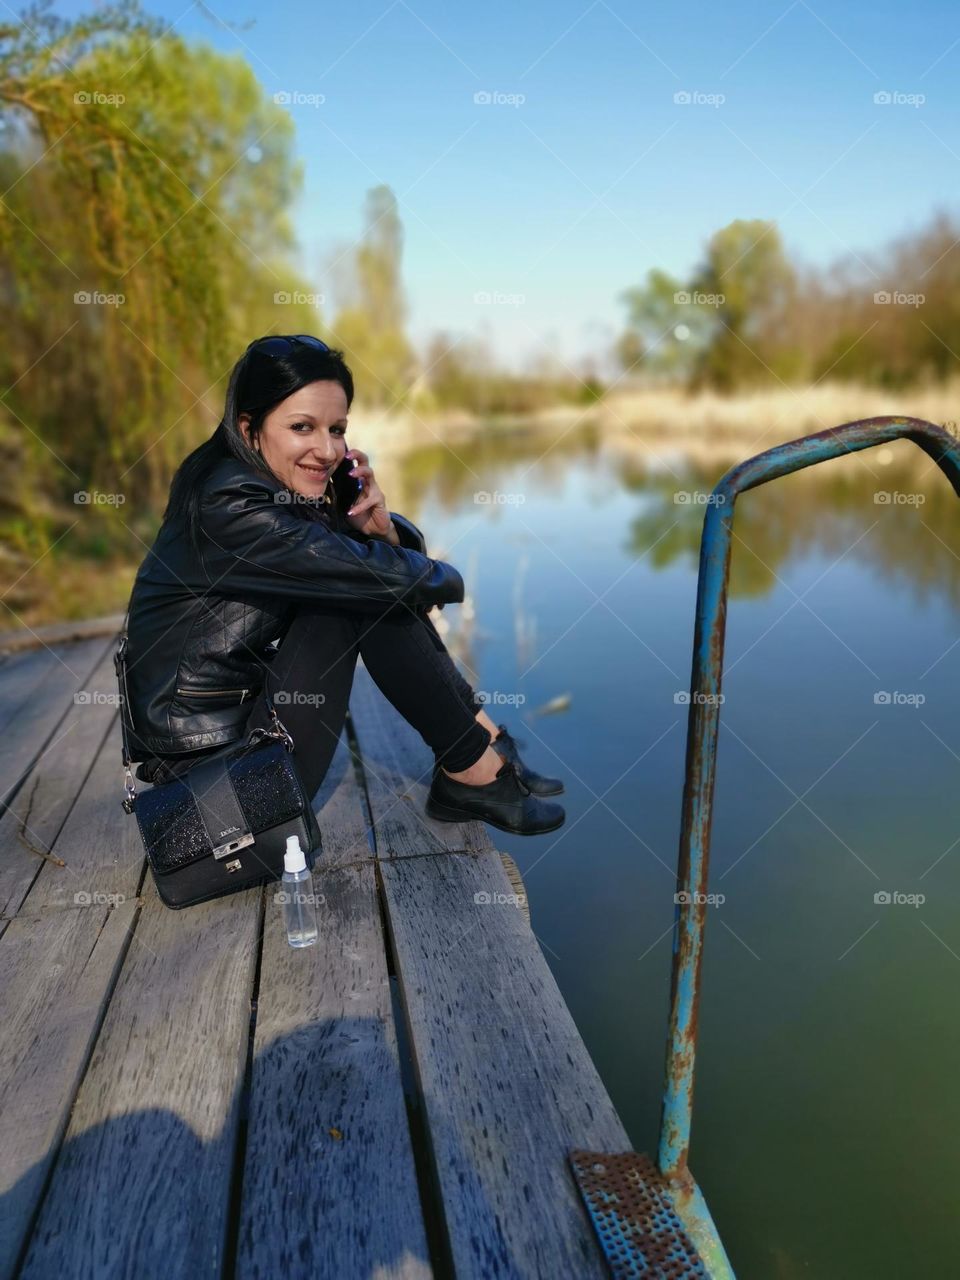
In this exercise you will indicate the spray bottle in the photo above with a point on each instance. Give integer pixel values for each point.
(299, 900)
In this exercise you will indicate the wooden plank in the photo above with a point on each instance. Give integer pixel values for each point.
(38, 811)
(20, 676)
(56, 973)
(330, 1186)
(99, 843)
(21, 639)
(32, 712)
(508, 1086)
(341, 812)
(141, 1186)
(398, 765)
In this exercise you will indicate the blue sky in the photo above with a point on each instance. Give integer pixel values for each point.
(598, 175)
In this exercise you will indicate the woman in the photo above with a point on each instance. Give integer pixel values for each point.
(276, 565)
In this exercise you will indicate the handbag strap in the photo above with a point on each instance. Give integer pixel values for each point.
(278, 731)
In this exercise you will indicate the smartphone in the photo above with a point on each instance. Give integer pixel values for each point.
(346, 488)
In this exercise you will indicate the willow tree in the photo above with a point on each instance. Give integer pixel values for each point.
(144, 236)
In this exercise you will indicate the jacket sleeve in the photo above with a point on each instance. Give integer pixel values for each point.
(254, 542)
(408, 533)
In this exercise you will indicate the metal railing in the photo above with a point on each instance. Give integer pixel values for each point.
(703, 722)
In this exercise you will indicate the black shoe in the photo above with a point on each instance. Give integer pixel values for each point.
(507, 746)
(506, 802)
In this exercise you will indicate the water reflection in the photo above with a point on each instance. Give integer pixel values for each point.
(836, 509)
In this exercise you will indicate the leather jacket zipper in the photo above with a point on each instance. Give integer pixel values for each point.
(207, 693)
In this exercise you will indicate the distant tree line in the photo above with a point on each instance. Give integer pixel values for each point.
(747, 316)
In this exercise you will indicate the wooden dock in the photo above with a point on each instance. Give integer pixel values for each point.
(182, 1094)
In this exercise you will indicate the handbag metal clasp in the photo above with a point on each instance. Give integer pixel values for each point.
(231, 846)
(278, 734)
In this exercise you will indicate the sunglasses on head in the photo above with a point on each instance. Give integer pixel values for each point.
(284, 346)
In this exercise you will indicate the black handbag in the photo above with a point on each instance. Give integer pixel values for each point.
(223, 824)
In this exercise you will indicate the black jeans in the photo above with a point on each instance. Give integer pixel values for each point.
(312, 669)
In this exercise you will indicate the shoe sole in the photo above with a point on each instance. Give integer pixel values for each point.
(446, 813)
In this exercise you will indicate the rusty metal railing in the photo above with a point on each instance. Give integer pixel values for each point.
(703, 723)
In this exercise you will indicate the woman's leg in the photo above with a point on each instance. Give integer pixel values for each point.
(311, 675)
(309, 679)
(408, 662)
(469, 697)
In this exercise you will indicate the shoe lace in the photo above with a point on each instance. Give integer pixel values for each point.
(509, 738)
(511, 765)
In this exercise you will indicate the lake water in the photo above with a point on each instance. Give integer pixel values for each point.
(826, 1105)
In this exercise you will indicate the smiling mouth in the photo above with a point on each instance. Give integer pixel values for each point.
(318, 472)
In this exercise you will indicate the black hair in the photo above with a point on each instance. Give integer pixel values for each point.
(258, 383)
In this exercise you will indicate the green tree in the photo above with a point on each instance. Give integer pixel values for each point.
(747, 276)
(370, 326)
(154, 174)
(665, 328)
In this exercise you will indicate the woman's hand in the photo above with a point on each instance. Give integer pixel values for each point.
(369, 512)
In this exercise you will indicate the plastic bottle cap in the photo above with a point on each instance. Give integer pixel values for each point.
(294, 859)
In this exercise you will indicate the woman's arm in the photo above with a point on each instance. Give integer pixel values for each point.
(254, 542)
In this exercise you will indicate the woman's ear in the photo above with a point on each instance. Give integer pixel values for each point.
(243, 422)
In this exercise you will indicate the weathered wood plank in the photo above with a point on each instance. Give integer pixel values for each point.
(56, 973)
(508, 1086)
(99, 843)
(341, 812)
(141, 1185)
(330, 1184)
(398, 765)
(20, 676)
(326, 1088)
(20, 639)
(40, 807)
(31, 712)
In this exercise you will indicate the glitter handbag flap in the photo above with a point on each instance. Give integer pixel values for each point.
(268, 789)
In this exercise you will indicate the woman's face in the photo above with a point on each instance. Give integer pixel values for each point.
(302, 438)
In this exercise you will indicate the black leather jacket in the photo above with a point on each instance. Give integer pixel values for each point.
(198, 627)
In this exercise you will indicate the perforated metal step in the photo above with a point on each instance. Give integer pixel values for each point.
(639, 1232)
